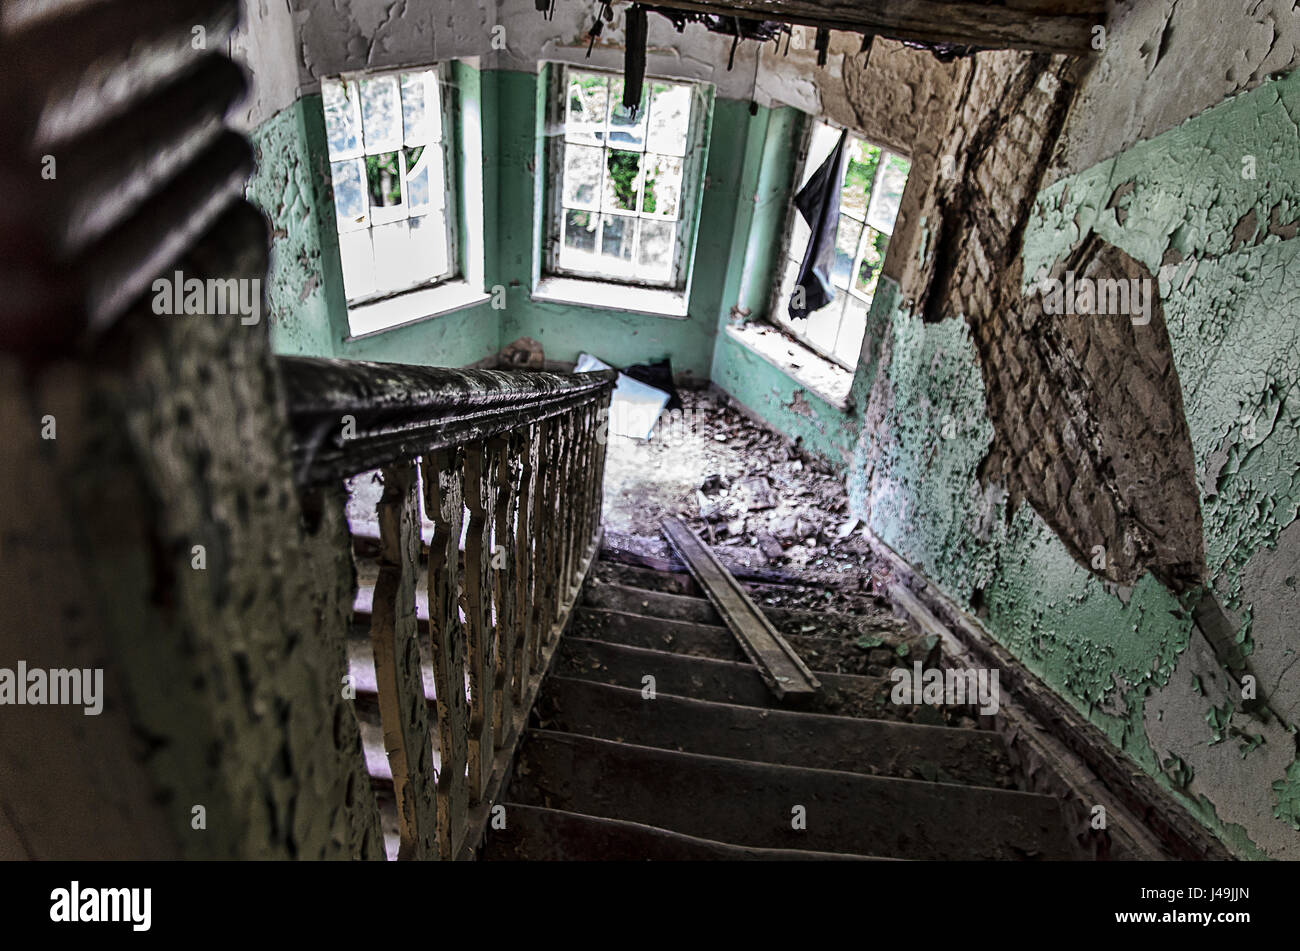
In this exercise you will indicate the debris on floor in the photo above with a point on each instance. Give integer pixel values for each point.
(775, 516)
(761, 500)
(635, 407)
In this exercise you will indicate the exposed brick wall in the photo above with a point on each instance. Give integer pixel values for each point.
(1087, 411)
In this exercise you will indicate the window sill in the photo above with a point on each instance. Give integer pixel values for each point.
(628, 298)
(809, 369)
(412, 307)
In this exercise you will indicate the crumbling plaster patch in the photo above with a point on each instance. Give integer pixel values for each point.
(264, 45)
(1170, 59)
(286, 189)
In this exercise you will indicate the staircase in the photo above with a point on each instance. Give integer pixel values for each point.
(654, 738)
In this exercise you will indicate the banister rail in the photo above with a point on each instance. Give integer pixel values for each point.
(352, 416)
(513, 464)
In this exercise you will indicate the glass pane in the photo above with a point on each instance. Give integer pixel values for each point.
(889, 194)
(578, 245)
(859, 173)
(849, 345)
(622, 180)
(420, 117)
(429, 248)
(626, 129)
(381, 114)
(585, 110)
(417, 160)
(395, 265)
(342, 118)
(846, 249)
(823, 325)
(616, 238)
(663, 185)
(349, 194)
(582, 175)
(384, 180)
(655, 250)
(358, 260)
(873, 256)
(669, 120)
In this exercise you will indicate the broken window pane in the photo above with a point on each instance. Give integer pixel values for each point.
(342, 118)
(585, 111)
(846, 250)
(381, 114)
(384, 180)
(622, 180)
(663, 185)
(350, 204)
(859, 173)
(418, 197)
(582, 175)
(669, 119)
(626, 128)
(889, 194)
(655, 250)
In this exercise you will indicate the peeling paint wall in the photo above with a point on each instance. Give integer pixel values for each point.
(1222, 245)
(303, 290)
(1166, 60)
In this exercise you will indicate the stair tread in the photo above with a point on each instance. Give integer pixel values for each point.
(535, 833)
(729, 681)
(748, 803)
(795, 738)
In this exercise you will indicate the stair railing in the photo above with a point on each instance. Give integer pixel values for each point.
(512, 462)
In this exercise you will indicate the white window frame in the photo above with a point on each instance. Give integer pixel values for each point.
(778, 305)
(688, 199)
(388, 214)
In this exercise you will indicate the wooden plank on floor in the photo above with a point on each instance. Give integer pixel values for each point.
(785, 674)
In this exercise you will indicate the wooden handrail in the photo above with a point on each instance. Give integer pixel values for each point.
(349, 416)
(513, 462)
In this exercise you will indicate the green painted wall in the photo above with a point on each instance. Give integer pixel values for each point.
(288, 189)
(745, 193)
(1230, 307)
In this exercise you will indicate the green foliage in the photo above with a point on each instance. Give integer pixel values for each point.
(623, 168)
(383, 180)
(861, 170)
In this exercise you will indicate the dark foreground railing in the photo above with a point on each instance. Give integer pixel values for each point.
(512, 462)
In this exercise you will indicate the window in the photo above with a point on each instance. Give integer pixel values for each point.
(869, 198)
(622, 183)
(390, 165)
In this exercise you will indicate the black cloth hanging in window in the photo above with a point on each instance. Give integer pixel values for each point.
(819, 203)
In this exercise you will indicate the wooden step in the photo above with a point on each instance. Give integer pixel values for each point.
(756, 804)
(820, 741)
(534, 834)
(684, 605)
(636, 630)
(704, 678)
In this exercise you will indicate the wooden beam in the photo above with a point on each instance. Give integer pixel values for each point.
(784, 673)
(1063, 26)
